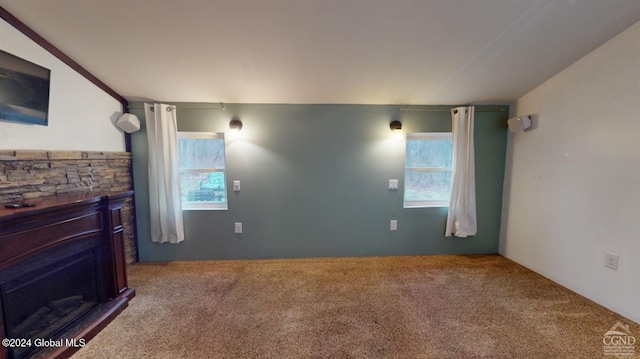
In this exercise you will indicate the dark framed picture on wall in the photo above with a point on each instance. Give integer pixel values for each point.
(24, 90)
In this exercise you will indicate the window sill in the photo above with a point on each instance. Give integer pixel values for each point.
(425, 204)
(204, 207)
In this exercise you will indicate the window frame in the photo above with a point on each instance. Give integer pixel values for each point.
(202, 205)
(426, 136)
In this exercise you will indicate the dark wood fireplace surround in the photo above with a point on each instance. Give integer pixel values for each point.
(54, 221)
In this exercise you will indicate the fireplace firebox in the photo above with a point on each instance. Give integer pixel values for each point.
(60, 263)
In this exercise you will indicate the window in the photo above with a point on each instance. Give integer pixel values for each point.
(202, 170)
(427, 169)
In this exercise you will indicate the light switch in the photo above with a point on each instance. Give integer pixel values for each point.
(393, 184)
(236, 185)
(238, 227)
(611, 260)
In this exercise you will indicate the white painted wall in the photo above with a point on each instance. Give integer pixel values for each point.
(572, 187)
(81, 115)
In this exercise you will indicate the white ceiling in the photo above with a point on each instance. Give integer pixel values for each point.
(326, 51)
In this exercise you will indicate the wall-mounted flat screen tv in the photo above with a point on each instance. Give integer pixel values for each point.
(24, 90)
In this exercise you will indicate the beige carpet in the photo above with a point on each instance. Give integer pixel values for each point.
(383, 307)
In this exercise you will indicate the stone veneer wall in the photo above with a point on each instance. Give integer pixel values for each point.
(26, 175)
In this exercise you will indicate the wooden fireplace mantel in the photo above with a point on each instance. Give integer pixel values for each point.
(54, 221)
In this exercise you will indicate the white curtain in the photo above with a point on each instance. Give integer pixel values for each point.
(165, 207)
(461, 220)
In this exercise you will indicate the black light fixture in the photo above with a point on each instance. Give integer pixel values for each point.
(395, 125)
(235, 124)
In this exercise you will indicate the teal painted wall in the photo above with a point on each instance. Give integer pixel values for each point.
(314, 184)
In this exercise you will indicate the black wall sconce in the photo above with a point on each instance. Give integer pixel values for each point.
(235, 124)
(395, 125)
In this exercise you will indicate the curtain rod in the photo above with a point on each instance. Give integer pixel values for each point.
(447, 110)
(221, 107)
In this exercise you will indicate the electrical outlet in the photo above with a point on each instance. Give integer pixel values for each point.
(238, 227)
(393, 225)
(611, 260)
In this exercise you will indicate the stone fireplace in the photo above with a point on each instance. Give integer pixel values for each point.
(28, 175)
